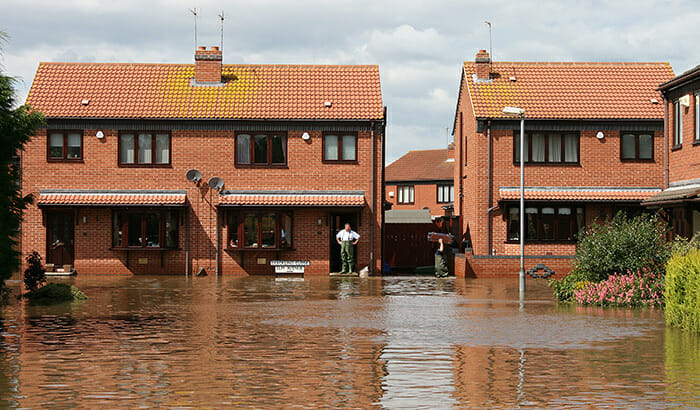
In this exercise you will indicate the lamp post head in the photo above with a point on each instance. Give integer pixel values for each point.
(514, 111)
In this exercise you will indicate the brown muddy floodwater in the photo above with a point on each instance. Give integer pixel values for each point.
(397, 342)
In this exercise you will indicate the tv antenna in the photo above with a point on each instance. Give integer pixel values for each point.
(490, 42)
(194, 13)
(221, 45)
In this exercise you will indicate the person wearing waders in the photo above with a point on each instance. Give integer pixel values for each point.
(441, 270)
(347, 238)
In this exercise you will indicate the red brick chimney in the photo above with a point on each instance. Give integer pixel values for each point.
(451, 150)
(207, 65)
(483, 65)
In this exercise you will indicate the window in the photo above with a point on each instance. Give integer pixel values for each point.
(445, 193)
(637, 146)
(261, 150)
(697, 117)
(547, 148)
(340, 148)
(677, 124)
(146, 229)
(405, 194)
(545, 223)
(65, 146)
(144, 149)
(265, 229)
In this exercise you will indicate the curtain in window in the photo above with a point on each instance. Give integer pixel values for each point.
(516, 147)
(349, 147)
(452, 193)
(554, 148)
(697, 117)
(531, 223)
(56, 146)
(628, 146)
(441, 194)
(286, 234)
(162, 149)
(145, 150)
(571, 148)
(127, 149)
(243, 149)
(677, 124)
(278, 150)
(646, 146)
(171, 225)
(538, 147)
(331, 153)
(399, 195)
(411, 192)
(73, 148)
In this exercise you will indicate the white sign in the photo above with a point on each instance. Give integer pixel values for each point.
(289, 263)
(289, 269)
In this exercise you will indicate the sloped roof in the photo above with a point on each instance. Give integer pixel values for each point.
(422, 165)
(293, 198)
(160, 91)
(408, 216)
(673, 194)
(563, 90)
(94, 197)
(579, 193)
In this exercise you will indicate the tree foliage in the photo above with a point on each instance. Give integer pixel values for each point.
(35, 274)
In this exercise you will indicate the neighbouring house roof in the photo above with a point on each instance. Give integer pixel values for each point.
(569, 90)
(674, 194)
(293, 198)
(687, 76)
(96, 197)
(423, 165)
(605, 194)
(408, 216)
(165, 91)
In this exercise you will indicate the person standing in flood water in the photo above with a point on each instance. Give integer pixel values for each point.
(441, 269)
(347, 238)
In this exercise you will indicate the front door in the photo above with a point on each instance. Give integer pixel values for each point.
(59, 237)
(337, 222)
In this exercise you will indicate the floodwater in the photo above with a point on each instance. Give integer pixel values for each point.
(396, 342)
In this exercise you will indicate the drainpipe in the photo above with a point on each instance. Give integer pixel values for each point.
(218, 241)
(460, 165)
(374, 205)
(666, 144)
(383, 194)
(187, 241)
(489, 194)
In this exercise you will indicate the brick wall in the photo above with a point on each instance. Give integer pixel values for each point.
(507, 267)
(425, 196)
(211, 152)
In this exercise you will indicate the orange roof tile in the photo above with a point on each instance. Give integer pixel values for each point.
(560, 90)
(112, 198)
(423, 165)
(293, 198)
(122, 90)
(579, 193)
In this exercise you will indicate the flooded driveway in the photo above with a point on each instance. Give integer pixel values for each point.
(413, 342)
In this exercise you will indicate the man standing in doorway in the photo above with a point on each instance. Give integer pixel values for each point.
(347, 238)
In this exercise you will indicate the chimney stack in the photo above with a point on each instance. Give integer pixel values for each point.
(483, 65)
(207, 65)
(451, 151)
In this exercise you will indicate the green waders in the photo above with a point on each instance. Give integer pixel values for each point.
(347, 255)
(441, 270)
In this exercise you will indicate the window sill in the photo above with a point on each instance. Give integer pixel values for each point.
(145, 166)
(139, 248)
(542, 242)
(74, 161)
(232, 249)
(262, 166)
(549, 164)
(676, 147)
(340, 162)
(696, 142)
(637, 160)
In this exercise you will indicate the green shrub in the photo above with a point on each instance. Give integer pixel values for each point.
(55, 293)
(35, 274)
(564, 288)
(683, 291)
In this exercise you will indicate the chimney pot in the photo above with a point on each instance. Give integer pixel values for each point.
(483, 65)
(215, 48)
(202, 48)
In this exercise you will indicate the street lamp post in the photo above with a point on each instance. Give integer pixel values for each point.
(520, 112)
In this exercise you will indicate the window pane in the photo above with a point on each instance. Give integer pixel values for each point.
(531, 223)
(171, 230)
(697, 117)
(452, 193)
(279, 156)
(516, 146)
(243, 149)
(153, 230)
(268, 225)
(126, 156)
(250, 231)
(56, 146)
(73, 148)
(134, 221)
(286, 233)
(440, 194)
(554, 148)
(399, 195)
(564, 224)
(349, 147)
(548, 223)
(331, 152)
(538, 148)
(646, 146)
(564, 211)
(678, 124)
(233, 230)
(145, 151)
(162, 149)
(513, 224)
(118, 220)
(579, 220)
(411, 191)
(571, 148)
(260, 149)
(628, 146)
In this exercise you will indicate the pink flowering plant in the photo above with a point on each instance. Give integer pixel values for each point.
(644, 287)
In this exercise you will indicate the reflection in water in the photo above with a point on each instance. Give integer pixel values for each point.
(337, 342)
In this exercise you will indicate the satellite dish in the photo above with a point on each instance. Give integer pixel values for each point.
(600, 135)
(305, 136)
(193, 175)
(216, 183)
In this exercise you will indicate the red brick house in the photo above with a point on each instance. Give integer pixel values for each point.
(421, 180)
(681, 198)
(122, 173)
(594, 145)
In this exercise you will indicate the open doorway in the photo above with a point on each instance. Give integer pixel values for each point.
(337, 222)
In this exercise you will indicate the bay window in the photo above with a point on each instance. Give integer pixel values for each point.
(144, 149)
(260, 230)
(637, 146)
(145, 229)
(261, 150)
(65, 146)
(340, 148)
(545, 223)
(547, 148)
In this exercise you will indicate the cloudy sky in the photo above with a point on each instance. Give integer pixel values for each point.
(418, 44)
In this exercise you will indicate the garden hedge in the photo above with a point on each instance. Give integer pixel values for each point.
(683, 291)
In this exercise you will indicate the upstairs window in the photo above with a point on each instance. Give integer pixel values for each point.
(65, 146)
(677, 124)
(637, 146)
(340, 148)
(547, 148)
(697, 117)
(144, 149)
(261, 150)
(445, 193)
(405, 194)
